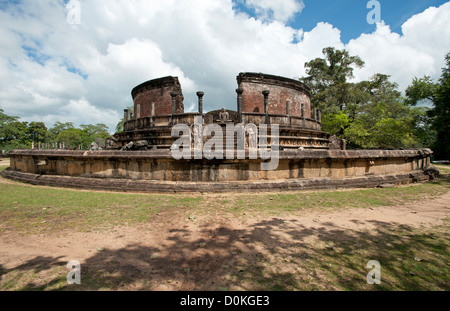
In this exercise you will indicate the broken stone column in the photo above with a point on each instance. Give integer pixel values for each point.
(152, 115)
(239, 92)
(315, 114)
(174, 106)
(138, 111)
(174, 102)
(302, 107)
(266, 105)
(319, 115)
(288, 111)
(200, 102)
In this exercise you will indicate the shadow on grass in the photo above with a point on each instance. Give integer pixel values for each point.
(270, 255)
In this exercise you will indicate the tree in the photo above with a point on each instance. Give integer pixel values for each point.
(441, 113)
(120, 124)
(327, 78)
(433, 123)
(8, 128)
(72, 138)
(36, 132)
(94, 132)
(99, 130)
(383, 120)
(57, 128)
(368, 114)
(420, 90)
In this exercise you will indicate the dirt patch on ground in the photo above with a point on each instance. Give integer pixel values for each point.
(208, 252)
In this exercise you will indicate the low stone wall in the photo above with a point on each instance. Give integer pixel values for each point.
(114, 184)
(156, 170)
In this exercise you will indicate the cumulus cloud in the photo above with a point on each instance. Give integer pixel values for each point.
(281, 10)
(83, 73)
(419, 51)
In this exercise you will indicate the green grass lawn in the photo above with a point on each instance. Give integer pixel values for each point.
(33, 209)
(299, 259)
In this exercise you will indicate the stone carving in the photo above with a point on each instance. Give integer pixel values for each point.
(94, 146)
(197, 137)
(336, 143)
(110, 143)
(224, 116)
(101, 143)
(137, 145)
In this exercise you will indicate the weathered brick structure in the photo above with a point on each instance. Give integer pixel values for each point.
(261, 99)
(156, 95)
(286, 96)
(140, 158)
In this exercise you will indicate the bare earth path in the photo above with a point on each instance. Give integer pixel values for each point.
(173, 252)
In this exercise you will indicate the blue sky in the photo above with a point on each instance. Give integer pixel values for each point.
(349, 16)
(55, 70)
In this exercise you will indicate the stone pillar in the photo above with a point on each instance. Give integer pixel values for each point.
(303, 115)
(200, 102)
(174, 106)
(319, 115)
(266, 105)
(152, 114)
(174, 102)
(125, 115)
(137, 113)
(239, 92)
(288, 112)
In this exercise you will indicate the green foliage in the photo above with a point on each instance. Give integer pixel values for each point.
(57, 128)
(434, 123)
(84, 136)
(72, 138)
(441, 113)
(420, 90)
(36, 131)
(335, 123)
(119, 126)
(328, 78)
(94, 132)
(8, 128)
(15, 134)
(368, 114)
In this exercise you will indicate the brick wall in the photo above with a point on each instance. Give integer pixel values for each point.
(281, 90)
(158, 92)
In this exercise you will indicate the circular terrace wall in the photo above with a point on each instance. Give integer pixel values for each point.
(157, 171)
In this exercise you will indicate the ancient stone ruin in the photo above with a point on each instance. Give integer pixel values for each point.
(261, 99)
(276, 111)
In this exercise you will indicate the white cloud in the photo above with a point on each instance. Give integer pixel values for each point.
(52, 71)
(419, 51)
(280, 10)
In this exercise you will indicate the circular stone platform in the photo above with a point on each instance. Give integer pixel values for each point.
(157, 171)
